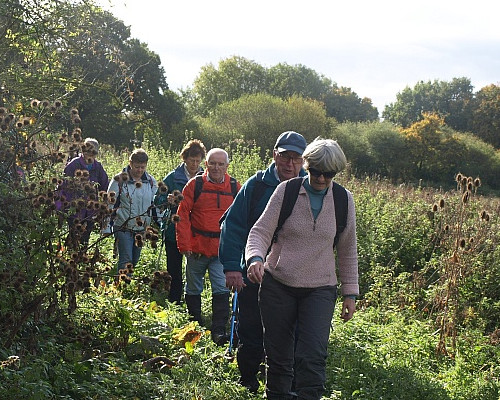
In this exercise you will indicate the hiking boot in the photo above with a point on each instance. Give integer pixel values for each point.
(220, 317)
(251, 383)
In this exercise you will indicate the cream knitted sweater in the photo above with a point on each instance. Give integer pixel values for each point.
(303, 255)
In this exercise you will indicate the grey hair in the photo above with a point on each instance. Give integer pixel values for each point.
(217, 150)
(93, 142)
(325, 155)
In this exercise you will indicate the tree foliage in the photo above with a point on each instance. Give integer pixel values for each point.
(450, 100)
(77, 51)
(432, 149)
(486, 115)
(237, 76)
(260, 118)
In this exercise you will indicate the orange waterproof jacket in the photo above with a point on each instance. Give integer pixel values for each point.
(198, 229)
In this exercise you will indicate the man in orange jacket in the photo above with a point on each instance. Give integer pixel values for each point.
(206, 198)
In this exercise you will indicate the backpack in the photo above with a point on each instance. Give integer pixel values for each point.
(154, 214)
(198, 187)
(291, 193)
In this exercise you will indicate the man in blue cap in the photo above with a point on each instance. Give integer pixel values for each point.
(240, 217)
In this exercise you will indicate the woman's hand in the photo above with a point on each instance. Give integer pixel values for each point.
(255, 271)
(348, 309)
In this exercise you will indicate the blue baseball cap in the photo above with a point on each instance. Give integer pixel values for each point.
(291, 141)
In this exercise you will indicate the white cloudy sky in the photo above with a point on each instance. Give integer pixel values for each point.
(376, 48)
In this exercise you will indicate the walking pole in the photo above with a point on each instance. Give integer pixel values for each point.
(233, 322)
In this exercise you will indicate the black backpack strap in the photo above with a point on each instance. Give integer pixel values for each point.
(341, 208)
(290, 197)
(234, 192)
(198, 187)
(257, 192)
(234, 186)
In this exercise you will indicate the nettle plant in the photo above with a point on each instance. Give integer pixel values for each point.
(44, 266)
(463, 232)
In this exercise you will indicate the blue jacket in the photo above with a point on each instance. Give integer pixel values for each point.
(238, 222)
(175, 180)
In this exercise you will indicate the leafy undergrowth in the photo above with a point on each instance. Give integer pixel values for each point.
(389, 354)
(132, 349)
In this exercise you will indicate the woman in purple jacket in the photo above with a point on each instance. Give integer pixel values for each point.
(85, 166)
(298, 277)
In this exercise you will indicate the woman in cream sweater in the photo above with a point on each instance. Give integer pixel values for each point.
(300, 275)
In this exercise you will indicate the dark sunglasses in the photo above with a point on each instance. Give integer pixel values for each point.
(317, 173)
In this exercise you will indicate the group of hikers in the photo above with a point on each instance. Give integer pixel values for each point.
(270, 240)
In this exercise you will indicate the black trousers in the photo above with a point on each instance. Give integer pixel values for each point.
(174, 268)
(251, 346)
(289, 313)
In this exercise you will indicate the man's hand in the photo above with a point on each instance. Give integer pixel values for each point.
(348, 309)
(234, 281)
(255, 272)
(188, 253)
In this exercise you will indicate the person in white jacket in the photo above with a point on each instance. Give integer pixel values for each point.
(134, 190)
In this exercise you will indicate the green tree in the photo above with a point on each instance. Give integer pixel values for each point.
(259, 119)
(76, 51)
(288, 80)
(238, 76)
(344, 105)
(486, 115)
(233, 78)
(450, 100)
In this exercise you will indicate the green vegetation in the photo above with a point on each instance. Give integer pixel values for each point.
(427, 325)
(425, 183)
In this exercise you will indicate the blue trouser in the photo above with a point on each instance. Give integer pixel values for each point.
(128, 252)
(251, 347)
(174, 268)
(196, 268)
(287, 313)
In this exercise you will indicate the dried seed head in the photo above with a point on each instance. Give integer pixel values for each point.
(465, 197)
(138, 185)
(441, 203)
(477, 182)
(175, 218)
(462, 243)
(434, 208)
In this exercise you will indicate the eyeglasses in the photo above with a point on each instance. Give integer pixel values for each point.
(317, 173)
(286, 157)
